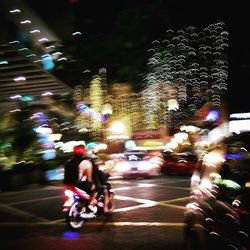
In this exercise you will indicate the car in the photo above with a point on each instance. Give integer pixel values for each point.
(136, 163)
(182, 163)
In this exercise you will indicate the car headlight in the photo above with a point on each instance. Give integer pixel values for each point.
(122, 167)
(145, 166)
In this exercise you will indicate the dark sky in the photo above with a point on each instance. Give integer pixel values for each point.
(117, 34)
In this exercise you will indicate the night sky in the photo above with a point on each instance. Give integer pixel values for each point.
(117, 34)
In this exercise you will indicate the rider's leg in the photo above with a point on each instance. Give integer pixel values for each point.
(106, 200)
(93, 202)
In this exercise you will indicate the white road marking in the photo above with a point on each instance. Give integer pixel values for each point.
(134, 207)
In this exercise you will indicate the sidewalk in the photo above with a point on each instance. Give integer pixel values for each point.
(12, 180)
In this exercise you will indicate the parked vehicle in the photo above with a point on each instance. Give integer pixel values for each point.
(76, 208)
(178, 163)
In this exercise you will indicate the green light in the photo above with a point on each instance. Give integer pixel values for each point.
(27, 98)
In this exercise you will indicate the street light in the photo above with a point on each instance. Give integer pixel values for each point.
(172, 106)
(118, 131)
(107, 109)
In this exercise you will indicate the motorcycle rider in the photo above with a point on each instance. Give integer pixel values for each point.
(100, 180)
(89, 177)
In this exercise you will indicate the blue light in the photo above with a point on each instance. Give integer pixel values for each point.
(234, 156)
(213, 116)
(83, 108)
(71, 235)
(47, 61)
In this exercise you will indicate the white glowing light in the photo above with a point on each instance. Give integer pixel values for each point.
(15, 41)
(15, 97)
(57, 53)
(14, 11)
(25, 21)
(117, 127)
(19, 78)
(51, 47)
(76, 33)
(3, 62)
(44, 39)
(62, 59)
(15, 110)
(35, 31)
(42, 130)
(22, 49)
(30, 55)
(48, 93)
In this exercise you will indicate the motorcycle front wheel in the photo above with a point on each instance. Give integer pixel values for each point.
(73, 219)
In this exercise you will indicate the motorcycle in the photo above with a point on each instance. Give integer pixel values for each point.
(76, 206)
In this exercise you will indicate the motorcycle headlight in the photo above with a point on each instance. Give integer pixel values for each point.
(68, 193)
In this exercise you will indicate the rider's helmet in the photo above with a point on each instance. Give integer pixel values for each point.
(79, 150)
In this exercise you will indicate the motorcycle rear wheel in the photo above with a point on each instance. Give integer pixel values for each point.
(73, 219)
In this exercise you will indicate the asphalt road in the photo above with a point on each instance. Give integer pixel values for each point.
(148, 215)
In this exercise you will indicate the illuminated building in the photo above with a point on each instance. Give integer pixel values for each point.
(194, 63)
